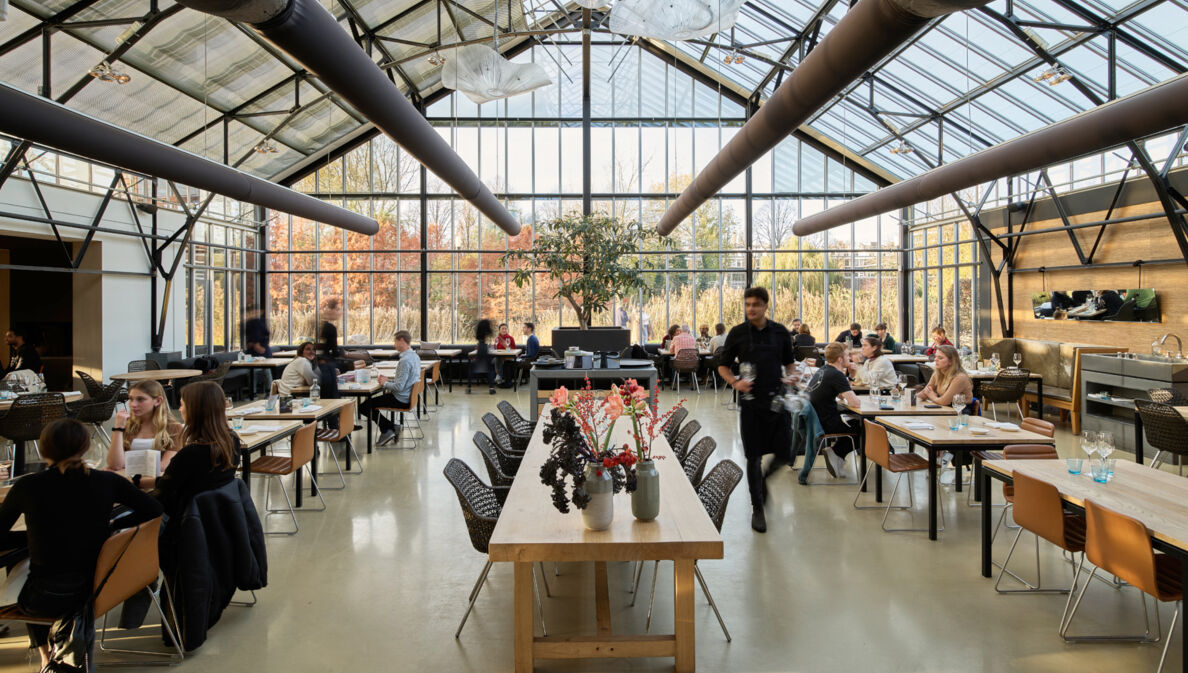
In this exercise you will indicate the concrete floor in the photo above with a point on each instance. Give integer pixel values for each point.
(379, 582)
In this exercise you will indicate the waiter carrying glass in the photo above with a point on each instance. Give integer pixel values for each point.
(763, 350)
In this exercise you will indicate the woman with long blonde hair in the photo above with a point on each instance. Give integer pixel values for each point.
(948, 378)
(210, 453)
(147, 424)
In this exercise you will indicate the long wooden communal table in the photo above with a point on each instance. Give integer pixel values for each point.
(1154, 497)
(942, 438)
(530, 529)
(326, 408)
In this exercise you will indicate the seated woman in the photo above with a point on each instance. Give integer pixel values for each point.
(876, 371)
(210, 452)
(827, 385)
(669, 336)
(300, 371)
(804, 336)
(148, 426)
(505, 341)
(67, 512)
(948, 379)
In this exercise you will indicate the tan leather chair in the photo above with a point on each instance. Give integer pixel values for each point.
(1118, 544)
(414, 416)
(1039, 509)
(1039, 426)
(878, 451)
(328, 436)
(432, 377)
(1020, 452)
(301, 455)
(127, 563)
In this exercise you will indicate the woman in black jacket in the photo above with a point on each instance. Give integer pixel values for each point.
(67, 512)
(209, 454)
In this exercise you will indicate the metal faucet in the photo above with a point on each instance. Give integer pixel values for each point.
(1179, 344)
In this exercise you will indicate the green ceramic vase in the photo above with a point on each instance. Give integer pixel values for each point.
(645, 501)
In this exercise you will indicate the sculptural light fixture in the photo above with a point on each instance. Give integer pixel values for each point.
(265, 147)
(674, 19)
(483, 75)
(902, 148)
(105, 73)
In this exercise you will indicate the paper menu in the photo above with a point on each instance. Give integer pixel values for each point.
(143, 462)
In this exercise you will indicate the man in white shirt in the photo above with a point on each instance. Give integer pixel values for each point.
(397, 390)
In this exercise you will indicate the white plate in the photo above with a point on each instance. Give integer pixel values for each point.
(979, 431)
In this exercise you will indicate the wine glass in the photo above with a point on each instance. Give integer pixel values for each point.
(1089, 443)
(1018, 359)
(995, 359)
(1105, 444)
(900, 386)
(959, 406)
(746, 371)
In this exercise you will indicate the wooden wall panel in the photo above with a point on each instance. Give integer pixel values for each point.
(1142, 240)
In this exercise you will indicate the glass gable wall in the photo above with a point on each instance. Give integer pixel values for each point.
(652, 129)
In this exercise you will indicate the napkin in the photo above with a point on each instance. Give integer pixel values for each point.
(302, 410)
(918, 425)
(245, 412)
(251, 429)
(1002, 425)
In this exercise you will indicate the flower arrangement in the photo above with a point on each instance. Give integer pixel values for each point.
(579, 431)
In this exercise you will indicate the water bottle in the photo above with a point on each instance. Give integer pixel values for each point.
(315, 392)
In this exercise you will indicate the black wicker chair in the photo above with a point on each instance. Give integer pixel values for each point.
(480, 508)
(98, 409)
(1164, 429)
(686, 361)
(1009, 385)
(697, 457)
(505, 466)
(515, 422)
(520, 431)
(1168, 396)
(217, 375)
(499, 433)
(25, 420)
(143, 365)
(673, 425)
(680, 446)
(714, 492)
(94, 388)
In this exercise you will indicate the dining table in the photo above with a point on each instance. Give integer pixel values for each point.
(869, 408)
(312, 413)
(1154, 497)
(531, 530)
(157, 375)
(934, 436)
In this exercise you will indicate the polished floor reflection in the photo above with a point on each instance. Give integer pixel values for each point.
(380, 580)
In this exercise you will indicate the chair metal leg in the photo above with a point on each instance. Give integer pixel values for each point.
(1031, 588)
(539, 604)
(652, 600)
(1167, 641)
(911, 504)
(708, 595)
(1145, 638)
(474, 593)
(544, 580)
(857, 495)
(341, 475)
(269, 510)
(247, 604)
(172, 658)
(637, 573)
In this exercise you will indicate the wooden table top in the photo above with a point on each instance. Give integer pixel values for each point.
(251, 439)
(701, 352)
(70, 396)
(326, 408)
(502, 352)
(1154, 497)
(448, 352)
(867, 408)
(345, 388)
(157, 375)
(266, 362)
(531, 529)
(940, 435)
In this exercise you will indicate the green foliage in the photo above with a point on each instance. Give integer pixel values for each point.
(593, 260)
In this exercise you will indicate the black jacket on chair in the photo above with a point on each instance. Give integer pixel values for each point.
(216, 547)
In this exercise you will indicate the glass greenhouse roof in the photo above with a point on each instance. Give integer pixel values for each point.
(963, 83)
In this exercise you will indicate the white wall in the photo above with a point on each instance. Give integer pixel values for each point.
(125, 332)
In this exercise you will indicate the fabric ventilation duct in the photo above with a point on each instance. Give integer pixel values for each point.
(1158, 108)
(308, 33)
(44, 122)
(869, 31)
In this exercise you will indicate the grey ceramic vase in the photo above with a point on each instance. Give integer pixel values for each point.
(600, 511)
(645, 501)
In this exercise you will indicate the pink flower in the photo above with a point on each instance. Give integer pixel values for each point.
(560, 397)
(614, 404)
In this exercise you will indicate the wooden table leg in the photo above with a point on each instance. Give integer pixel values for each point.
(602, 598)
(522, 618)
(682, 611)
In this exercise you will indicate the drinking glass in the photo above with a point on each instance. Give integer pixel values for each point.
(1109, 465)
(995, 360)
(954, 424)
(1099, 471)
(1074, 465)
(1018, 359)
(959, 402)
(747, 371)
(1105, 444)
(1089, 443)
(237, 422)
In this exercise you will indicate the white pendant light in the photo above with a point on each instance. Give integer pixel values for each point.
(674, 19)
(483, 75)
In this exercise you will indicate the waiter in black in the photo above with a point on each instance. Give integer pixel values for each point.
(767, 346)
